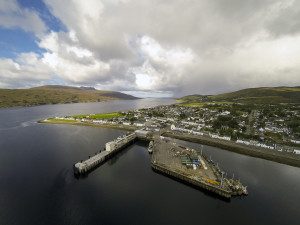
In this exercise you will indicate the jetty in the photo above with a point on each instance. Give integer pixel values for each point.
(111, 148)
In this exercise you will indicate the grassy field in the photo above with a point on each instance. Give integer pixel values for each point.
(100, 116)
(77, 123)
(54, 120)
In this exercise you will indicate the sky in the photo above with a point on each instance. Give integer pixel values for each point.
(150, 48)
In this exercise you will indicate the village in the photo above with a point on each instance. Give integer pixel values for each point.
(270, 127)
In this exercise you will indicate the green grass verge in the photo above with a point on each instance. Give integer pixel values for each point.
(100, 116)
(54, 120)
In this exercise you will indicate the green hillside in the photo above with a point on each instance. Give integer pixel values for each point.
(54, 94)
(194, 98)
(251, 95)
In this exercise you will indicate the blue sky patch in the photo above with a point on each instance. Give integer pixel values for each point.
(39, 6)
(15, 41)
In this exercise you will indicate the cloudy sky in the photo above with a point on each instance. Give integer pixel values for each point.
(150, 47)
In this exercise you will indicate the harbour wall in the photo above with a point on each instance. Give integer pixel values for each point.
(86, 166)
(177, 175)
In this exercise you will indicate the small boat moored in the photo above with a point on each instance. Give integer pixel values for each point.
(150, 148)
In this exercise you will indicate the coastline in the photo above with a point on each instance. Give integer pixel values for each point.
(58, 103)
(110, 126)
(275, 156)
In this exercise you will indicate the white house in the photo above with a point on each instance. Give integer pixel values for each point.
(295, 141)
(296, 151)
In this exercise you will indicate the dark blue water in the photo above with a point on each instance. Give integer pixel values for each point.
(37, 185)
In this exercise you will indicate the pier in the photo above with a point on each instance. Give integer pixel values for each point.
(111, 148)
(192, 167)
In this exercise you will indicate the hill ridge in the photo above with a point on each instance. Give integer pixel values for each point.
(57, 94)
(282, 94)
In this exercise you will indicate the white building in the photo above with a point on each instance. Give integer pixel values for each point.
(119, 142)
(220, 137)
(295, 141)
(139, 124)
(296, 151)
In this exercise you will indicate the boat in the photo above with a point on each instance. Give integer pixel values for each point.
(150, 147)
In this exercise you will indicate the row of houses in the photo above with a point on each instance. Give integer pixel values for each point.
(219, 137)
(254, 143)
(295, 141)
(190, 131)
(174, 128)
(272, 147)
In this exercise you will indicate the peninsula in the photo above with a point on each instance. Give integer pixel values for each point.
(56, 94)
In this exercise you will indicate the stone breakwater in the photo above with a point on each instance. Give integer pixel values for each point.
(111, 148)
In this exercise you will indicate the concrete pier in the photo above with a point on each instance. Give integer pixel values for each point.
(111, 148)
(187, 165)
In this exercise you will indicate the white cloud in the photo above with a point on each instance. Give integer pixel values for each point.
(26, 69)
(13, 16)
(70, 61)
(184, 46)
(164, 46)
(258, 62)
(143, 81)
(162, 68)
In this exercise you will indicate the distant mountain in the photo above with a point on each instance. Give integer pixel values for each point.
(252, 95)
(87, 88)
(56, 94)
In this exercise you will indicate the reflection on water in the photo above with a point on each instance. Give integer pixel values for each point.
(37, 184)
